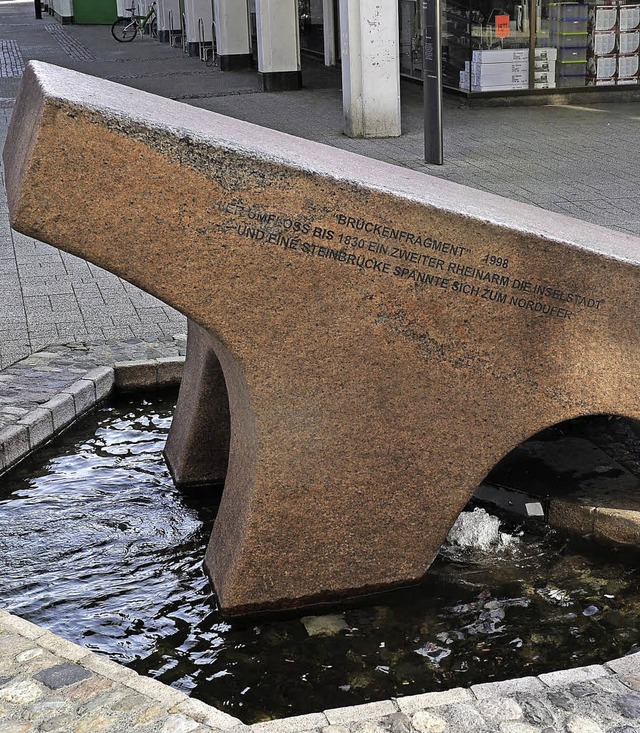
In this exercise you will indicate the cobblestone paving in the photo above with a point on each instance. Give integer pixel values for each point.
(33, 381)
(49, 684)
(69, 43)
(11, 61)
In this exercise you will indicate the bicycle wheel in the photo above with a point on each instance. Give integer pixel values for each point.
(124, 30)
(154, 28)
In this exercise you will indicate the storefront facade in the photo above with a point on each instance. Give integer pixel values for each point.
(532, 45)
(518, 46)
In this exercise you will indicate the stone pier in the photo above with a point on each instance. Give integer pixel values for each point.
(384, 337)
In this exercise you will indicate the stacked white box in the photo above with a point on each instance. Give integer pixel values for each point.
(506, 69)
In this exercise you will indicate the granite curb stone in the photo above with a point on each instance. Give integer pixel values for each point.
(40, 423)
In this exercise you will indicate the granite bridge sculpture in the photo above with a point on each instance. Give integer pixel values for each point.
(380, 338)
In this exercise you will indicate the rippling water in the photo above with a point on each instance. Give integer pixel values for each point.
(97, 545)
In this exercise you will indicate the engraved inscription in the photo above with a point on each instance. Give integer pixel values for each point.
(418, 257)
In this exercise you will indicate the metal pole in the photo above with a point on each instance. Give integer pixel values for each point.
(38, 10)
(432, 80)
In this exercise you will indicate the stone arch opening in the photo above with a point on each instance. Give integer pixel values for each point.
(581, 474)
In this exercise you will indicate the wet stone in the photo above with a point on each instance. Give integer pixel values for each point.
(536, 712)
(561, 700)
(629, 705)
(583, 690)
(62, 675)
(398, 723)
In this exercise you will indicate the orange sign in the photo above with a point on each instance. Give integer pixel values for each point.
(503, 29)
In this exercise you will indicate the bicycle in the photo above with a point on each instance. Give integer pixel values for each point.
(126, 29)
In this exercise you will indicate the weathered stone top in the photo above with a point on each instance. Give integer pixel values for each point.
(208, 135)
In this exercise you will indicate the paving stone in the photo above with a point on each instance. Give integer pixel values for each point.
(397, 723)
(537, 711)
(517, 726)
(62, 647)
(152, 688)
(412, 703)
(428, 721)
(629, 665)
(21, 692)
(105, 667)
(179, 724)
(569, 676)
(292, 725)
(169, 370)
(580, 724)
(11, 644)
(16, 727)
(465, 717)
(63, 410)
(14, 444)
(135, 375)
(355, 713)
(62, 675)
(58, 723)
(561, 699)
(39, 424)
(21, 626)
(83, 392)
(207, 714)
(629, 705)
(631, 681)
(368, 726)
(500, 709)
(103, 379)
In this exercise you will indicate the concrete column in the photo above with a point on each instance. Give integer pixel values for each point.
(233, 35)
(370, 68)
(329, 32)
(278, 44)
(168, 12)
(199, 24)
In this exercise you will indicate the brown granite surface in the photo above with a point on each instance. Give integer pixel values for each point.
(197, 449)
(385, 337)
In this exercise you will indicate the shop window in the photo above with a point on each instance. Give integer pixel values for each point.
(498, 46)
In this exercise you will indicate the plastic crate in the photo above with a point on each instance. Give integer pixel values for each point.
(557, 26)
(571, 68)
(567, 11)
(572, 54)
(570, 41)
(571, 81)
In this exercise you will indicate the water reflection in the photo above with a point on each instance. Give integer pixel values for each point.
(97, 545)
